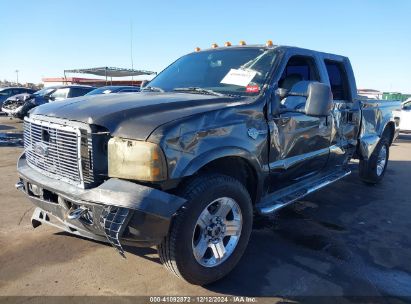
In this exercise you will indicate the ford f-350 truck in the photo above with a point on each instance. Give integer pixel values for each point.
(217, 135)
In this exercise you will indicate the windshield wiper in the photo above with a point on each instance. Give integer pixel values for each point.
(152, 89)
(198, 90)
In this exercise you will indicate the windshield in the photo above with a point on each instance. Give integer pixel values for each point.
(227, 71)
(44, 92)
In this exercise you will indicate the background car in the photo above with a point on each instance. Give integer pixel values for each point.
(11, 91)
(70, 91)
(18, 105)
(113, 89)
(405, 116)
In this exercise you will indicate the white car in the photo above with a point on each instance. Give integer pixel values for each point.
(405, 116)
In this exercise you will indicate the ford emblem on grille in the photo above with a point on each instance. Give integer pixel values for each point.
(41, 148)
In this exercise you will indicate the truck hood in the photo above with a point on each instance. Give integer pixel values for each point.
(132, 115)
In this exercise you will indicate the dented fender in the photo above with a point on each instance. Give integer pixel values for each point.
(238, 130)
(376, 117)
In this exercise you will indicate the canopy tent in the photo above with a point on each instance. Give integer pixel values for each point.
(110, 72)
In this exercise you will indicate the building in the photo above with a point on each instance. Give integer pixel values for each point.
(370, 93)
(375, 94)
(107, 72)
(395, 96)
(53, 81)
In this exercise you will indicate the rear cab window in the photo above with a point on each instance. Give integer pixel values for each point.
(338, 80)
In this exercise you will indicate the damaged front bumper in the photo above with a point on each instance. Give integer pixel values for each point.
(117, 211)
(12, 112)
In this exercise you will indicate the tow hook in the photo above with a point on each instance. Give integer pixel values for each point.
(76, 213)
(19, 185)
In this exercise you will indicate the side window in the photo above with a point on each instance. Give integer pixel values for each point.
(60, 94)
(301, 70)
(76, 92)
(129, 90)
(298, 68)
(5, 93)
(17, 91)
(338, 80)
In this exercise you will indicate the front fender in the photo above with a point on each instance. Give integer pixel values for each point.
(217, 153)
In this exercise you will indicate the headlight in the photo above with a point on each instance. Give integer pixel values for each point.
(136, 160)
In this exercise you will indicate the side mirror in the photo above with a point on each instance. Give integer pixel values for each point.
(319, 100)
(51, 98)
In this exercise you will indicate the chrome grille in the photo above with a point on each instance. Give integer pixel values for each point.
(58, 151)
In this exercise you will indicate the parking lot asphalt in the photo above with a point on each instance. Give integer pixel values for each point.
(349, 239)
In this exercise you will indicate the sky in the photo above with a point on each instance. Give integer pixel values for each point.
(43, 38)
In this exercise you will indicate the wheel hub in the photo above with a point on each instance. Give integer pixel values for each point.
(217, 232)
(216, 229)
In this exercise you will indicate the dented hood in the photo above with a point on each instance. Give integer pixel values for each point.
(133, 115)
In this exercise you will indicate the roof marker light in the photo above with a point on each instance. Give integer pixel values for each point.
(269, 43)
(214, 45)
(242, 42)
(228, 43)
(197, 49)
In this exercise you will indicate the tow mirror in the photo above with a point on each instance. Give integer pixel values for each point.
(319, 100)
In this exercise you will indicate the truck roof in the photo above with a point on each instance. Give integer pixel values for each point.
(277, 47)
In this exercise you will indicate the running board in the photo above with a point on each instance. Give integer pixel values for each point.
(281, 198)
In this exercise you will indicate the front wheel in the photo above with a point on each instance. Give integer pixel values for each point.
(209, 234)
(372, 170)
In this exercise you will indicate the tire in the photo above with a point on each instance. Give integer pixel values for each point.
(371, 171)
(177, 249)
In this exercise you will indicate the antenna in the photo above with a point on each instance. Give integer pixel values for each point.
(131, 50)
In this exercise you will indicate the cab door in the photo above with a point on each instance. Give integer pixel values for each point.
(346, 112)
(299, 144)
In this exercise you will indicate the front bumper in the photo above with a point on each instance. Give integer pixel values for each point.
(12, 112)
(117, 211)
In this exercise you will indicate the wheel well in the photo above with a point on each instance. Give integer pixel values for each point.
(237, 168)
(390, 128)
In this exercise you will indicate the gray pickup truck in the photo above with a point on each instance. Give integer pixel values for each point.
(183, 165)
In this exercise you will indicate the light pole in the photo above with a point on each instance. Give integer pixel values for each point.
(17, 76)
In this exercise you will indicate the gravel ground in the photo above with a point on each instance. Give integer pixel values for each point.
(349, 239)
